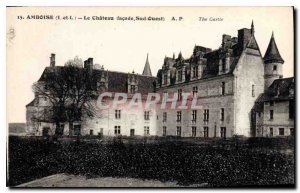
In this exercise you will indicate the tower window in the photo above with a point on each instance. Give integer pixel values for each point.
(275, 67)
(178, 116)
(253, 90)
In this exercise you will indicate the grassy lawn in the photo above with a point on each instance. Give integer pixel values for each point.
(253, 162)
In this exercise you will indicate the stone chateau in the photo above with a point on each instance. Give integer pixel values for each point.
(239, 92)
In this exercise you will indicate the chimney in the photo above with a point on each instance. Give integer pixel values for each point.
(244, 36)
(52, 60)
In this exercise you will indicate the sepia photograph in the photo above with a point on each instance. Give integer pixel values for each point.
(151, 97)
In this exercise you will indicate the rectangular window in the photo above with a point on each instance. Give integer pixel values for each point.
(164, 131)
(194, 129)
(222, 114)
(178, 131)
(178, 116)
(271, 114)
(206, 130)
(292, 131)
(253, 90)
(223, 88)
(275, 67)
(117, 130)
(91, 132)
(223, 132)
(179, 94)
(194, 116)
(179, 72)
(146, 130)
(118, 114)
(146, 115)
(131, 132)
(281, 131)
(271, 132)
(195, 91)
(206, 114)
(164, 116)
(77, 129)
(195, 72)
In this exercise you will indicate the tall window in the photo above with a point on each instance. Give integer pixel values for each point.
(146, 115)
(179, 76)
(292, 131)
(164, 116)
(223, 132)
(253, 90)
(195, 91)
(178, 131)
(179, 94)
(222, 114)
(281, 131)
(195, 71)
(146, 130)
(194, 115)
(194, 129)
(164, 131)
(275, 67)
(206, 114)
(223, 88)
(117, 130)
(178, 116)
(206, 135)
(271, 114)
(118, 114)
(132, 88)
(271, 132)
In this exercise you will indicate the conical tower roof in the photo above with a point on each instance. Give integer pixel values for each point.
(147, 70)
(272, 53)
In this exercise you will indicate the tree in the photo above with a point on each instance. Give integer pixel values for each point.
(70, 93)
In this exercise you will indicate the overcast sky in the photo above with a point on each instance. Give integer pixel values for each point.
(123, 46)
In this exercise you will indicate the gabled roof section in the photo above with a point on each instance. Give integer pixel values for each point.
(272, 53)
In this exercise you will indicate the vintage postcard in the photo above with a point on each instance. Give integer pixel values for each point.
(200, 97)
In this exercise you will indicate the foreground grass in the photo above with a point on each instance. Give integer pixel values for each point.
(184, 162)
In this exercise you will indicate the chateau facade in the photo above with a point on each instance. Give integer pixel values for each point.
(234, 87)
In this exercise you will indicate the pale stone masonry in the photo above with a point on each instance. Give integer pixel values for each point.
(238, 92)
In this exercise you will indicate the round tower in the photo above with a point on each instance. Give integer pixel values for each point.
(273, 63)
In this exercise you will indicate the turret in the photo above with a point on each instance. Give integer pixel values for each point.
(273, 63)
(147, 70)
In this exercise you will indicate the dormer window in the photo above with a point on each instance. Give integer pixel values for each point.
(179, 76)
(195, 71)
(165, 79)
(223, 65)
(132, 88)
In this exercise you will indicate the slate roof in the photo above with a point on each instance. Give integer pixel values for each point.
(117, 81)
(272, 53)
(280, 90)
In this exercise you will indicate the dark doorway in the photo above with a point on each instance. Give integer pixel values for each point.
(223, 132)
